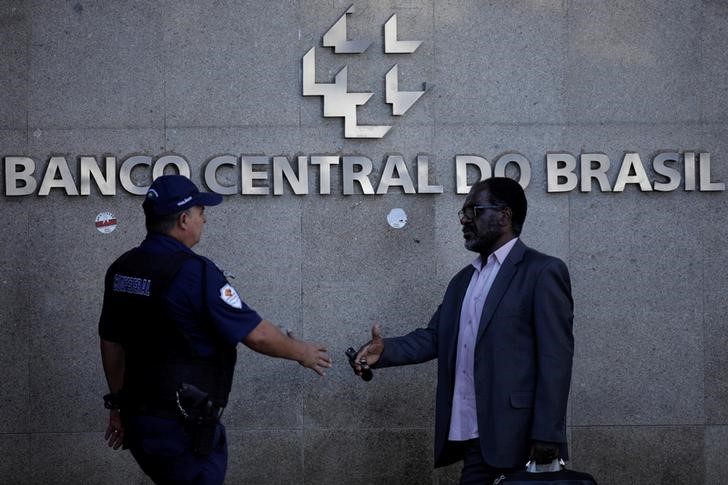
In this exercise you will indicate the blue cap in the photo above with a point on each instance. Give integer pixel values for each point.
(170, 194)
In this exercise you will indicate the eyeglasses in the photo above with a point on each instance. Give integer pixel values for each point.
(471, 212)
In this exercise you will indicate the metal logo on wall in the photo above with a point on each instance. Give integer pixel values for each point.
(337, 100)
(266, 175)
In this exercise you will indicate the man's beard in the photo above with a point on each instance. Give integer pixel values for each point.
(481, 241)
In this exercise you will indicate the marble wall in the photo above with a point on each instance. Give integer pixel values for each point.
(199, 79)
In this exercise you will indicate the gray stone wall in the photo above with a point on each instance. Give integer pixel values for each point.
(649, 400)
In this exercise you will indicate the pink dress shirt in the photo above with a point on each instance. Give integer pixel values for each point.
(464, 418)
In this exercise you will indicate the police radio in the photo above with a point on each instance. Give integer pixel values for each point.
(366, 371)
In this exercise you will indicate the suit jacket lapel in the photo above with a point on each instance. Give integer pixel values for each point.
(502, 280)
(460, 295)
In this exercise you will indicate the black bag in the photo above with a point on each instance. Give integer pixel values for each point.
(560, 477)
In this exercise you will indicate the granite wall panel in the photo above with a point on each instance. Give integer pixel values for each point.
(638, 340)
(203, 79)
(66, 376)
(15, 300)
(715, 262)
(334, 456)
(716, 440)
(637, 62)
(272, 456)
(669, 455)
(14, 41)
(15, 465)
(62, 458)
(225, 62)
(517, 75)
(713, 58)
(96, 65)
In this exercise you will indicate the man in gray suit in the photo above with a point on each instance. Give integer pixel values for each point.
(503, 339)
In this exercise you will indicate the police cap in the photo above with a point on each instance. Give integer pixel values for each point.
(170, 194)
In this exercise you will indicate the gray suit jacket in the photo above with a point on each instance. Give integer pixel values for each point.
(523, 357)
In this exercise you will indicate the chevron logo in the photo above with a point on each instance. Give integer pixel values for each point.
(337, 100)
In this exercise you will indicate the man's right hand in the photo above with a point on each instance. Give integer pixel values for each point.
(370, 352)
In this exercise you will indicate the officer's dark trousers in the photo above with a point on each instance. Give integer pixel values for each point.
(163, 450)
(475, 470)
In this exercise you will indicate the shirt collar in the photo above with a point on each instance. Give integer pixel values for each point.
(161, 242)
(499, 254)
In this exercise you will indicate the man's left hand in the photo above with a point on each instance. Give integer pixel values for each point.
(545, 451)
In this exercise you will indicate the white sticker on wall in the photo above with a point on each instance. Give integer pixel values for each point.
(397, 218)
(105, 222)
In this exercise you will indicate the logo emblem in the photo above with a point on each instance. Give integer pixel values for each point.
(230, 296)
(337, 100)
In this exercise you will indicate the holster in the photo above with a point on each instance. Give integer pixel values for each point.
(202, 433)
(200, 416)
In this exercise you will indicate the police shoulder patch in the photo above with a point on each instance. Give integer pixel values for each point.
(230, 296)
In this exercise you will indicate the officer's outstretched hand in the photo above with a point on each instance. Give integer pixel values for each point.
(315, 357)
(268, 339)
(370, 352)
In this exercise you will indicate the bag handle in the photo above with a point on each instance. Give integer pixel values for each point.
(556, 465)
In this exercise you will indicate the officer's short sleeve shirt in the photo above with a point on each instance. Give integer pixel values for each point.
(232, 319)
(200, 300)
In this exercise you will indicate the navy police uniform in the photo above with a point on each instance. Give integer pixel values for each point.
(178, 321)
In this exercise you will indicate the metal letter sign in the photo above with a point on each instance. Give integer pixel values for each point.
(337, 100)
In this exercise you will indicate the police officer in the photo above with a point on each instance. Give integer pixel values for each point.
(169, 328)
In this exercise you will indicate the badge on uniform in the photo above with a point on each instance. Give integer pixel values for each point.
(230, 296)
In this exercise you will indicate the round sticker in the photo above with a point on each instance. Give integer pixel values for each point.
(397, 218)
(105, 222)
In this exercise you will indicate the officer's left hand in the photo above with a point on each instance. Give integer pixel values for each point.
(115, 431)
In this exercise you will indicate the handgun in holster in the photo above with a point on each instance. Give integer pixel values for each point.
(200, 415)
